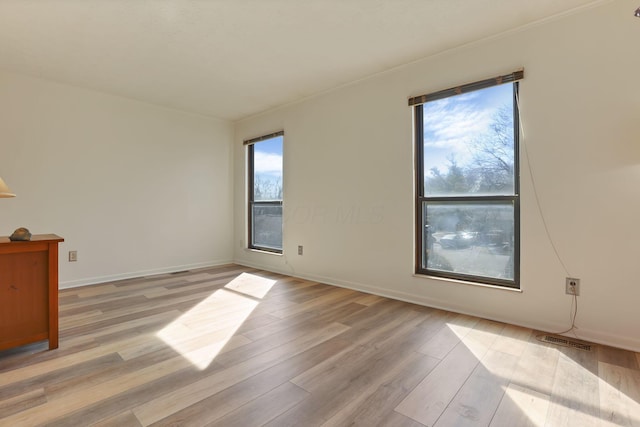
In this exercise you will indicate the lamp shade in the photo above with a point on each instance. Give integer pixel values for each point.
(4, 190)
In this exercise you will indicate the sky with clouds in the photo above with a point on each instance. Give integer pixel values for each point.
(267, 157)
(450, 124)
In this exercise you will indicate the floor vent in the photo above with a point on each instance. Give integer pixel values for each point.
(180, 272)
(558, 340)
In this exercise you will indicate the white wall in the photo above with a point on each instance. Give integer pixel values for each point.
(348, 183)
(134, 188)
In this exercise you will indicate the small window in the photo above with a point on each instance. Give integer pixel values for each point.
(467, 201)
(265, 192)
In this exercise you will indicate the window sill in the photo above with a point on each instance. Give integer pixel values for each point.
(260, 251)
(464, 282)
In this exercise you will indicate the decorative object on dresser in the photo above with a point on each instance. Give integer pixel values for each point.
(29, 291)
(20, 235)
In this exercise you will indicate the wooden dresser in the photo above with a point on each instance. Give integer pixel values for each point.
(29, 291)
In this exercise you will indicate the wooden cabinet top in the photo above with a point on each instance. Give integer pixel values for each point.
(34, 238)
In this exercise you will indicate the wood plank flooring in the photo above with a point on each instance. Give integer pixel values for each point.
(235, 346)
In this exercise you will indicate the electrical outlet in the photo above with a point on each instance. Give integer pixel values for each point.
(73, 256)
(572, 286)
(299, 249)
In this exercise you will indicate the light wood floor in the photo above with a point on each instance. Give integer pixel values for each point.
(233, 346)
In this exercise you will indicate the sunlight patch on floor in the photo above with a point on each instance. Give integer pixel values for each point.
(202, 332)
(619, 395)
(525, 403)
(460, 329)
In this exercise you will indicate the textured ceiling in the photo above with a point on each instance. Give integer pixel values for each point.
(234, 58)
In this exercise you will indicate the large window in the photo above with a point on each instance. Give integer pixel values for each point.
(265, 192)
(467, 204)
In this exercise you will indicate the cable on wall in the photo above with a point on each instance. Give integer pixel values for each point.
(573, 311)
(535, 193)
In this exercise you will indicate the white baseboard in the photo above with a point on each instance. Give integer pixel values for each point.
(142, 273)
(597, 337)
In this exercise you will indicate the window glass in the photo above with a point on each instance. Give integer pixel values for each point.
(265, 194)
(470, 238)
(468, 143)
(467, 192)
